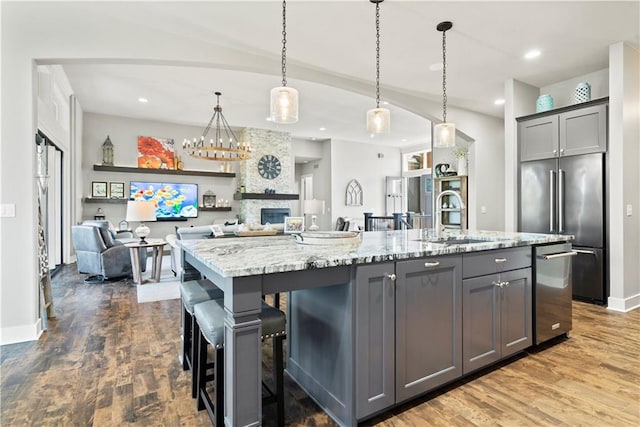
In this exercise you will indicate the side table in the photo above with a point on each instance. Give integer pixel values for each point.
(134, 249)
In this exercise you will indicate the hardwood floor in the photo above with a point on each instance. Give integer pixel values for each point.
(108, 361)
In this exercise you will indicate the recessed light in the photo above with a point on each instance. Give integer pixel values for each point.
(404, 140)
(143, 100)
(313, 138)
(306, 161)
(534, 53)
(499, 101)
(385, 102)
(323, 129)
(373, 135)
(268, 119)
(436, 67)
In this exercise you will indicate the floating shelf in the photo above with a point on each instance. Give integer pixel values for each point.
(264, 196)
(104, 200)
(127, 169)
(226, 209)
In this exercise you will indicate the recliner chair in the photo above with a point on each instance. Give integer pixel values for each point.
(99, 255)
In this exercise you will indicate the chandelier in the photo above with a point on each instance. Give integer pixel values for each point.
(224, 147)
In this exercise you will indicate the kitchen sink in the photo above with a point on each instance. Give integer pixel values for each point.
(458, 241)
(450, 242)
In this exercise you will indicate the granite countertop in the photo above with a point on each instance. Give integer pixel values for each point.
(246, 256)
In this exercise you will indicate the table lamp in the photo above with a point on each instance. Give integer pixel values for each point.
(313, 207)
(141, 210)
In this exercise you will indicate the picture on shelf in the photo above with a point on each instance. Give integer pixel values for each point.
(116, 190)
(155, 153)
(98, 189)
(173, 200)
(293, 224)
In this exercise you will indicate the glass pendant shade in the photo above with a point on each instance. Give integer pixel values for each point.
(444, 135)
(284, 105)
(378, 120)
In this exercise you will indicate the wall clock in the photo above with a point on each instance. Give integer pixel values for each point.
(269, 166)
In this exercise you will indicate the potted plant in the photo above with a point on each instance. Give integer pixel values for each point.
(460, 154)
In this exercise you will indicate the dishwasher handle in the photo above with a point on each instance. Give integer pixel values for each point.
(558, 255)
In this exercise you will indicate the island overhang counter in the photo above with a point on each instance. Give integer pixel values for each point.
(370, 324)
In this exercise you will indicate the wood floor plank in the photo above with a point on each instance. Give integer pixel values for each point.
(109, 361)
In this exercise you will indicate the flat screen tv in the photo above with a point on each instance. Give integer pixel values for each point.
(173, 201)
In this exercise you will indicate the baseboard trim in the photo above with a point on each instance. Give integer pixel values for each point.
(18, 334)
(624, 305)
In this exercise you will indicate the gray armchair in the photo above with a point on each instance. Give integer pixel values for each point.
(98, 254)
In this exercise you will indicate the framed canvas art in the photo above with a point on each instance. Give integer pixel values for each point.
(155, 153)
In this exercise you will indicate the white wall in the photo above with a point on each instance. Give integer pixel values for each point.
(124, 133)
(520, 100)
(360, 161)
(624, 177)
(563, 92)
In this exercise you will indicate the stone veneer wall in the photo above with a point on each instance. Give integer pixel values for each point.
(264, 142)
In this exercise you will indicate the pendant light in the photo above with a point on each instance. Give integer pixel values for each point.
(284, 99)
(444, 134)
(378, 119)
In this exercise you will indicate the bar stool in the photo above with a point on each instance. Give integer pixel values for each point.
(193, 292)
(209, 328)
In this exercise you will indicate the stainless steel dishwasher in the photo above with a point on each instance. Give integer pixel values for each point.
(552, 292)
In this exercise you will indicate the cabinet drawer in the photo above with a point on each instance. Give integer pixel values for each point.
(496, 261)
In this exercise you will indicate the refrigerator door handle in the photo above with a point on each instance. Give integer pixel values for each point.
(582, 251)
(560, 201)
(559, 255)
(552, 199)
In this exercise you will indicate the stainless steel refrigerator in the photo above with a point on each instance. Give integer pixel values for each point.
(566, 196)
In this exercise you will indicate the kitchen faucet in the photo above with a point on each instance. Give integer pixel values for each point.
(439, 227)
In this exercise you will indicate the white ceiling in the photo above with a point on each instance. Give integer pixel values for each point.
(332, 41)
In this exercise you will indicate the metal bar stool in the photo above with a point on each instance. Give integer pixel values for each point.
(209, 328)
(193, 292)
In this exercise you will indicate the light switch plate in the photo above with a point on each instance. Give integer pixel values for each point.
(629, 210)
(483, 209)
(7, 210)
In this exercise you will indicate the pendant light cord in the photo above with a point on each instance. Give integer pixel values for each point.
(284, 43)
(377, 55)
(444, 76)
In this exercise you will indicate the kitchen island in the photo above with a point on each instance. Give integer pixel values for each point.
(374, 323)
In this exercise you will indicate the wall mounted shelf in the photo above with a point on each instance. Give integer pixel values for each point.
(104, 200)
(128, 169)
(225, 209)
(264, 196)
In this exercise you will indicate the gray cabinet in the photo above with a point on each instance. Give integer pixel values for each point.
(408, 331)
(497, 317)
(375, 338)
(539, 138)
(583, 131)
(574, 131)
(428, 324)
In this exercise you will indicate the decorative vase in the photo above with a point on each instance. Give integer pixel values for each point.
(544, 103)
(583, 93)
(462, 165)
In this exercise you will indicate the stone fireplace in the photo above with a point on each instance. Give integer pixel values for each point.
(265, 142)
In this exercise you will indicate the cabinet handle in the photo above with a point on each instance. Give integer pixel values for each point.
(431, 264)
(555, 151)
(500, 260)
(505, 284)
(498, 284)
(561, 150)
(392, 277)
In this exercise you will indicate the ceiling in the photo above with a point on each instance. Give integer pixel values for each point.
(331, 59)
